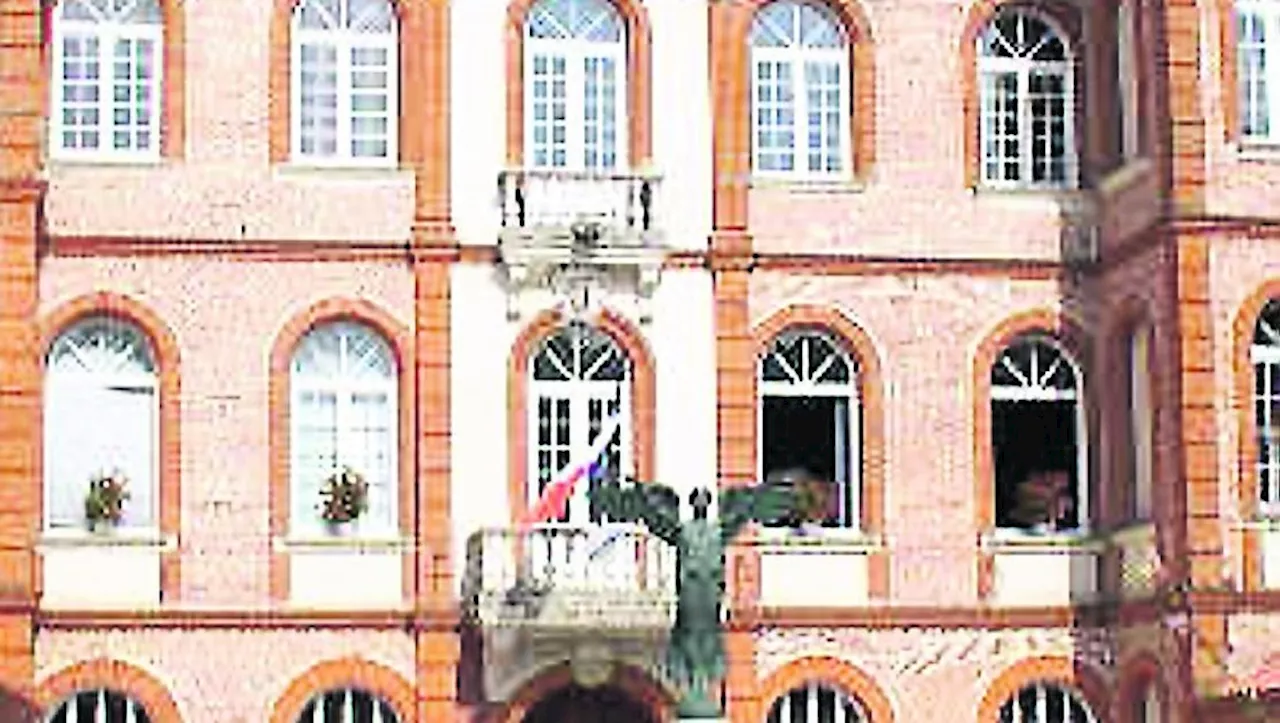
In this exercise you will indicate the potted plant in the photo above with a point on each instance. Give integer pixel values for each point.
(344, 497)
(1043, 502)
(104, 500)
(813, 497)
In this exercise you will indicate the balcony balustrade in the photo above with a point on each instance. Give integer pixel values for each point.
(542, 207)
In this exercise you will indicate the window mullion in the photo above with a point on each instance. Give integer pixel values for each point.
(800, 111)
(345, 86)
(1271, 70)
(575, 106)
(1026, 140)
(106, 102)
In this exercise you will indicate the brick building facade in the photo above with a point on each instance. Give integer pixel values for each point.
(933, 252)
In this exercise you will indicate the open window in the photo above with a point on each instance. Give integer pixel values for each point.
(809, 417)
(1037, 438)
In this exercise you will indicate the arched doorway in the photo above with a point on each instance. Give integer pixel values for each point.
(576, 704)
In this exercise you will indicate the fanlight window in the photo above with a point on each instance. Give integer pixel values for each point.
(1027, 98)
(1037, 430)
(1265, 355)
(1046, 703)
(348, 705)
(810, 415)
(579, 379)
(106, 78)
(101, 410)
(800, 90)
(575, 85)
(345, 70)
(815, 703)
(99, 706)
(344, 387)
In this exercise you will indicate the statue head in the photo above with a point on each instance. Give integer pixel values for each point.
(700, 500)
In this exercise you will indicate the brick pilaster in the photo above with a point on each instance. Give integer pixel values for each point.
(1184, 144)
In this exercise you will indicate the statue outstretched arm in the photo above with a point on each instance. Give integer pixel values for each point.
(757, 503)
(656, 505)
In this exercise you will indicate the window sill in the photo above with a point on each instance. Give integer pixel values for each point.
(1265, 521)
(1018, 541)
(1064, 194)
(1257, 151)
(60, 539)
(839, 185)
(1133, 531)
(321, 542)
(115, 162)
(318, 171)
(826, 539)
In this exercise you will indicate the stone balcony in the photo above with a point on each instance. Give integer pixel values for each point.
(560, 227)
(561, 594)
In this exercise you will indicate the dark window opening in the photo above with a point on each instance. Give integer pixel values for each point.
(1035, 455)
(811, 434)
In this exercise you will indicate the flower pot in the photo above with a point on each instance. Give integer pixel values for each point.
(338, 529)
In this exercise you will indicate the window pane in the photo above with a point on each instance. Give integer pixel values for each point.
(1254, 99)
(775, 113)
(318, 98)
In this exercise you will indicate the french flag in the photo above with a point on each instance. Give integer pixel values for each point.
(555, 496)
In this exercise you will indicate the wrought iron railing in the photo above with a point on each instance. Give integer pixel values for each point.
(620, 202)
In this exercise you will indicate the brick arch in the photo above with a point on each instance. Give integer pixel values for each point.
(834, 672)
(1242, 327)
(643, 399)
(400, 341)
(629, 679)
(1068, 673)
(350, 672)
(111, 674)
(164, 345)
(1137, 674)
(635, 17)
(871, 403)
(1072, 338)
(862, 72)
(173, 72)
(1069, 19)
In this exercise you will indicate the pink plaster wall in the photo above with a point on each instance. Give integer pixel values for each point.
(224, 676)
(225, 316)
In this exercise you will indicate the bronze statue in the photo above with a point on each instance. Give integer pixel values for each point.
(695, 653)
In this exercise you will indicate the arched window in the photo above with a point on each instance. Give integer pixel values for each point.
(815, 703)
(1043, 702)
(800, 91)
(1265, 355)
(1027, 98)
(1038, 438)
(344, 85)
(100, 706)
(101, 419)
(809, 416)
(579, 379)
(348, 705)
(575, 86)
(1257, 30)
(106, 79)
(343, 385)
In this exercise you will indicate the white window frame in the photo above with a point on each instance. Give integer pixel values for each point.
(59, 382)
(1128, 66)
(382, 710)
(847, 708)
(1266, 356)
(580, 390)
(797, 57)
(1023, 68)
(1141, 421)
(106, 32)
(303, 513)
(344, 41)
(1040, 713)
(809, 384)
(1035, 390)
(1269, 107)
(66, 712)
(576, 51)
